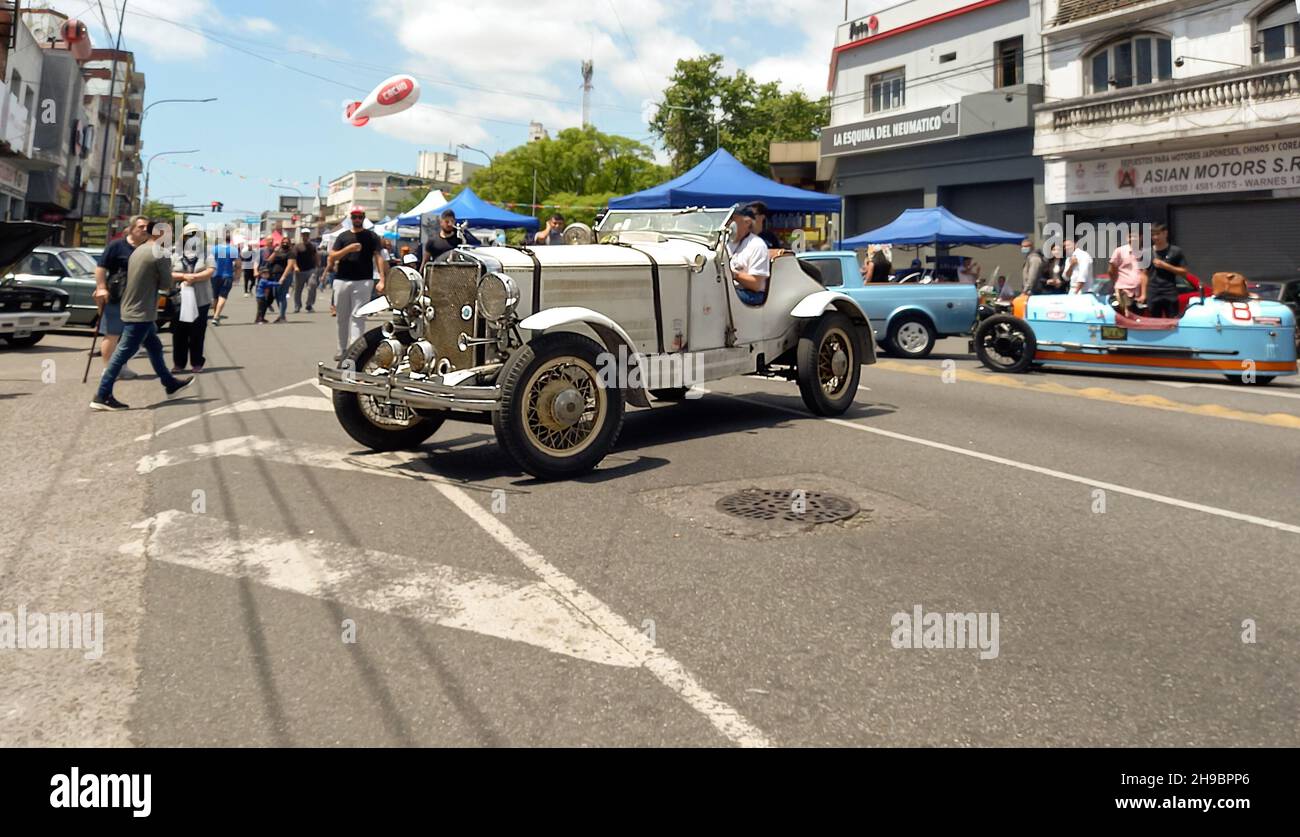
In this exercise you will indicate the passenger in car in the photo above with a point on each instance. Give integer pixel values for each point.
(751, 264)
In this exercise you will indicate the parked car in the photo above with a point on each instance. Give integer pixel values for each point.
(26, 314)
(906, 318)
(72, 270)
(549, 343)
(1249, 341)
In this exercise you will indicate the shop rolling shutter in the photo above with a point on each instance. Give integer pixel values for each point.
(867, 212)
(1259, 239)
(1007, 205)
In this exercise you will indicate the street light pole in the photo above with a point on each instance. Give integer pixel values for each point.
(479, 150)
(147, 163)
(145, 112)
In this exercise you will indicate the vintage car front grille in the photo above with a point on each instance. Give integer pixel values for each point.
(451, 287)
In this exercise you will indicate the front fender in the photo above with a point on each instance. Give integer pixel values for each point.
(609, 332)
(819, 302)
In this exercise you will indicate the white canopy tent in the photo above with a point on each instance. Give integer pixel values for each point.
(432, 202)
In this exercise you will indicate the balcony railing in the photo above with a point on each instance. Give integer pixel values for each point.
(1232, 89)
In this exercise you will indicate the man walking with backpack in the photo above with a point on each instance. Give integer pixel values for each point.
(110, 280)
(149, 271)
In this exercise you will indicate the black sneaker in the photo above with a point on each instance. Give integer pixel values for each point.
(181, 384)
(109, 404)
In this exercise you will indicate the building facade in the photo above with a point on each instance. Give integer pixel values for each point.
(445, 169)
(380, 193)
(932, 105)
(19, 99)
(1184, 112)
(114, 103)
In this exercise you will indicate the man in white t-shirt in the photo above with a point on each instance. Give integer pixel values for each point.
(1078, 267)
(751, 264)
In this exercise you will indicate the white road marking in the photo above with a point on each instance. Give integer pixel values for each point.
(167, 428)
(666, 669)
(1049, 472)
(513, 609)
(1273, 391)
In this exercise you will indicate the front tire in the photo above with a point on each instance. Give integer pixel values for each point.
(375, 424)
(24, 342)
(911, 336)
(829, 359)
(556, 420)
(1004, 343)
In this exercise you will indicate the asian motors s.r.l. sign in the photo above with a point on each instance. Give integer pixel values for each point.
(1257, 166)
(892, 131)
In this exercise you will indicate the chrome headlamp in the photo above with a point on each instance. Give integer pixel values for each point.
(497, 296)
(402, 286)
(421, 356)
(388, 353)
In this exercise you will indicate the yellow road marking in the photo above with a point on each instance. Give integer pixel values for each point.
(1154, 402)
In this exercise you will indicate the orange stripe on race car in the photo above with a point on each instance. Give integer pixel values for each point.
(1165, 362)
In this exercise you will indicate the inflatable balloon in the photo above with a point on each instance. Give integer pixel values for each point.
(74, 32)
(393, 95)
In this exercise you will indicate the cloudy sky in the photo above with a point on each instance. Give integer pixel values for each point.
(283, 71)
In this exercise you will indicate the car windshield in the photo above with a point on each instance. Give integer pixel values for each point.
(1266, 290)
(79, 263)
(696, 222)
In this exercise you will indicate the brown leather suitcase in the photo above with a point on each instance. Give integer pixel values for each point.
(1230, 286)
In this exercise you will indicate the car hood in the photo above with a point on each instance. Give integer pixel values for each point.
(19, 238)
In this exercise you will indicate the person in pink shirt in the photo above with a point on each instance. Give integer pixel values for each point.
(1126, 273)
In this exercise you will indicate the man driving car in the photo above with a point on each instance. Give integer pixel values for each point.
(751, 264)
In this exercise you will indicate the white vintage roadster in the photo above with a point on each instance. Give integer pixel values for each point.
(549, 343)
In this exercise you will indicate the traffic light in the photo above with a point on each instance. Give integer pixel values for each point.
(216, 206)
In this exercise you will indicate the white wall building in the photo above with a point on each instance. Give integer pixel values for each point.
(932, 105)
(380, 193)
(1185, 112)
(445, 168)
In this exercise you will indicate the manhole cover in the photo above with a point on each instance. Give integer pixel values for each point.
(794, 506)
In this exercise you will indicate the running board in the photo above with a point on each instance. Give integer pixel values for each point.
(1139, 349)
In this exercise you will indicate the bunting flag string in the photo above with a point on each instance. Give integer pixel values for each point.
(312, 184)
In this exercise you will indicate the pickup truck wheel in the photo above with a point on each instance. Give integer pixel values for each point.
(829, 365)
(556, 419)
(911, 336)
(1004, 343)
(379, 425)
(23, 342)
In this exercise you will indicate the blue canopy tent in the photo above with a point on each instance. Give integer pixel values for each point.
(477, 212)
(722, 180)
(932, 226)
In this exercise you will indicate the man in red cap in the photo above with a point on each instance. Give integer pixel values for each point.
(358, 255)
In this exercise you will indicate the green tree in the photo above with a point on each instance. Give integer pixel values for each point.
(409, 203)
(583, 165)
(702, 107)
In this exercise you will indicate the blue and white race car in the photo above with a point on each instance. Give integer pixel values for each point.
(1247, 340)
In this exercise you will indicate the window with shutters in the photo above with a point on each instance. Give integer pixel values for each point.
(1278, 32)
(1132, 61)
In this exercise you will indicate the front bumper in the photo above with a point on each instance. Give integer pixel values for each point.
(429, 393)
(30, 322)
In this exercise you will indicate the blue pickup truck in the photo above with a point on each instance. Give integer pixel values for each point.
(906, 317)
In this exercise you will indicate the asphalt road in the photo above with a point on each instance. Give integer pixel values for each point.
(265, 582)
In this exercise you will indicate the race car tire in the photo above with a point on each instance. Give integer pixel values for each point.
(1004, 343)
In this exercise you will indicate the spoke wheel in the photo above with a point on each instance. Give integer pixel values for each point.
(379, 425)
(556, 419)
(1004, 343)
(829, 365)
